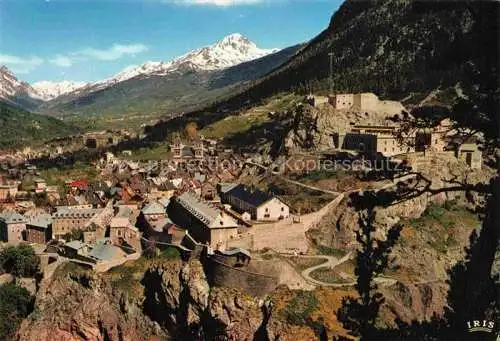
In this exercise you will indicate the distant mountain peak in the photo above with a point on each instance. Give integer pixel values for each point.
(235, 38)
(12, 88)
(50, 90)
(229, 51)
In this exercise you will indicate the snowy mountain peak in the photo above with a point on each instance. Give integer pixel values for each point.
(235, 38)
(11, 87)
(229, 51)
(50, 90)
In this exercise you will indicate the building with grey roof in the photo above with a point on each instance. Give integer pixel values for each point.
(66, 219)
(153, 209)
(102, 252)
(12, 227)
(205, 222)
(260, 205)
(39, 228)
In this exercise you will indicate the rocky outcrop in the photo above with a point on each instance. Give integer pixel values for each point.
(185, 305)
(412, 301)
(173, 301)
(85, 307)
(440, 170)
(313, 128)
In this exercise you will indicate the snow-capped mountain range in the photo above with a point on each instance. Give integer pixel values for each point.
(230, 51)
(50, 90)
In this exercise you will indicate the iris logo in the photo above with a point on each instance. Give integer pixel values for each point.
(480, 326)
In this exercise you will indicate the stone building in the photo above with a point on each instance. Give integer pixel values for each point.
(123, 233)
(433, 139)
(12, 227)
(366, 101)
(342, 101)
(153, 210)
(185, 151)
(375, 139)
(67, 219)
(39, 229)
(204, 222)
(470, 154)
(260, 205)
(317, 101)
(8, 192)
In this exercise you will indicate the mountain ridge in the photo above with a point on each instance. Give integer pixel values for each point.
(231, 50)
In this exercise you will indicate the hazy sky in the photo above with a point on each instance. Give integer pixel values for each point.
(88, 40)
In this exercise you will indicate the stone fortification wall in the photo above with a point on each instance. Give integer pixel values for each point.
(255, 284)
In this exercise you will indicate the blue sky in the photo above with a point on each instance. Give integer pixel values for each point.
(88, 40)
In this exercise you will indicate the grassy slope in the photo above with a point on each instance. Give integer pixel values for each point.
(233, 125)
(20, 127)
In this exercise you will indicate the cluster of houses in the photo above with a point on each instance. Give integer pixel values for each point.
(138, 205)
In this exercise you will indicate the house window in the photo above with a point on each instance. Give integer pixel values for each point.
(267, 209)
(282, 209)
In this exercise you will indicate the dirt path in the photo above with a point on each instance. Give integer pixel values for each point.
(331, 263)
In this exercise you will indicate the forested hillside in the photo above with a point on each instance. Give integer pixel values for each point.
(397, 49)
(20, 127)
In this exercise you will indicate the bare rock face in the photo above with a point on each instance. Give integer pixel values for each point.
(313, 127)
(173, 301)
(84, 307)
(410, 301)
(188, 308)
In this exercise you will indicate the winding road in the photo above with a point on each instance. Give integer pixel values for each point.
(331, 263)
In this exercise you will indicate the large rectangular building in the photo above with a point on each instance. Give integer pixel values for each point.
(67, 219)
(376, 139)
(39, 229)
(204, 222)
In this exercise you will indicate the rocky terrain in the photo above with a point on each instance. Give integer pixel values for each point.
(161, 301)
(313, 127)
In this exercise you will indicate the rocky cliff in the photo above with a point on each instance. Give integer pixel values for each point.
(313, 128)
(77, 305)
(164, 300)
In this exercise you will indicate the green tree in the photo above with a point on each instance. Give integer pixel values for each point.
(73, 235)
(15, 303)
(19, 261)
(360, 314)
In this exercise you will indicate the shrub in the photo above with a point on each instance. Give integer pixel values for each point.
(299, 309)
(170, 253)
(19, 261)
(15, 303)
(325, 250)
